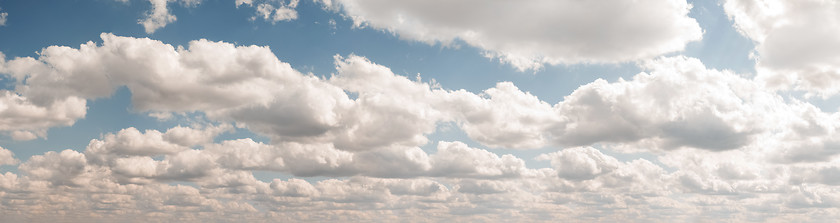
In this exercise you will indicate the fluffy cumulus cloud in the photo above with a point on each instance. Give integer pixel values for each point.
(236, 82)
(678, 103)
(796, 42)
(532, 33)
(25, 120)
(7, 157)
(678, 141)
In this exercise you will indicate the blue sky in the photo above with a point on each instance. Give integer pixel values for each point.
(723, 108)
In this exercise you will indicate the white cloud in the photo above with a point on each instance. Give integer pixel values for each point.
(530, 34)
(503, 117)
(676, 103)
(712, 142)
(137, 185)
(269, 12)
(3, 17)
(7, 157)
(131, 141)
(389, 108)
(159, 15)
(243, 2)
(796, 42)
(581, 163)
(132, 156)
(246, 154)
(394, 162)
(456, 159)
(25, 120)
(236, 83)
(129, 153)
(58, 168)
(679, 103)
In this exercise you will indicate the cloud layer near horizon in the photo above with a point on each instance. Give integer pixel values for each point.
(720, 142)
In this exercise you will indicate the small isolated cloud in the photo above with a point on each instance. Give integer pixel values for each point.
(3, 16)
(159, 15)
(273, 14)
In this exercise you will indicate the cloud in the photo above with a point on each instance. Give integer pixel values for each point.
(581, 163)
(530, 34)
(504, 117)
(246, 85)
(679, 103)
(676, 103)
(389, 108)
(456, 159)
(678, 141)
(3, 17)
(458, 182)
(144, 157)
(242, 84)
(395, 162)
(26, 120)
(285, 12)
(159, 16)
(57, 168)
(696, 137)
(7, 157)
(791, 52)
(131, 142)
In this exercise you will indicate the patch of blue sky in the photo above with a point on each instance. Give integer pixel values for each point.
(722, 47)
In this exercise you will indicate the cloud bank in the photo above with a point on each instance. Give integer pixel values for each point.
(719, 142)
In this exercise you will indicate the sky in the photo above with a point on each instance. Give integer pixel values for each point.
(419, 111)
